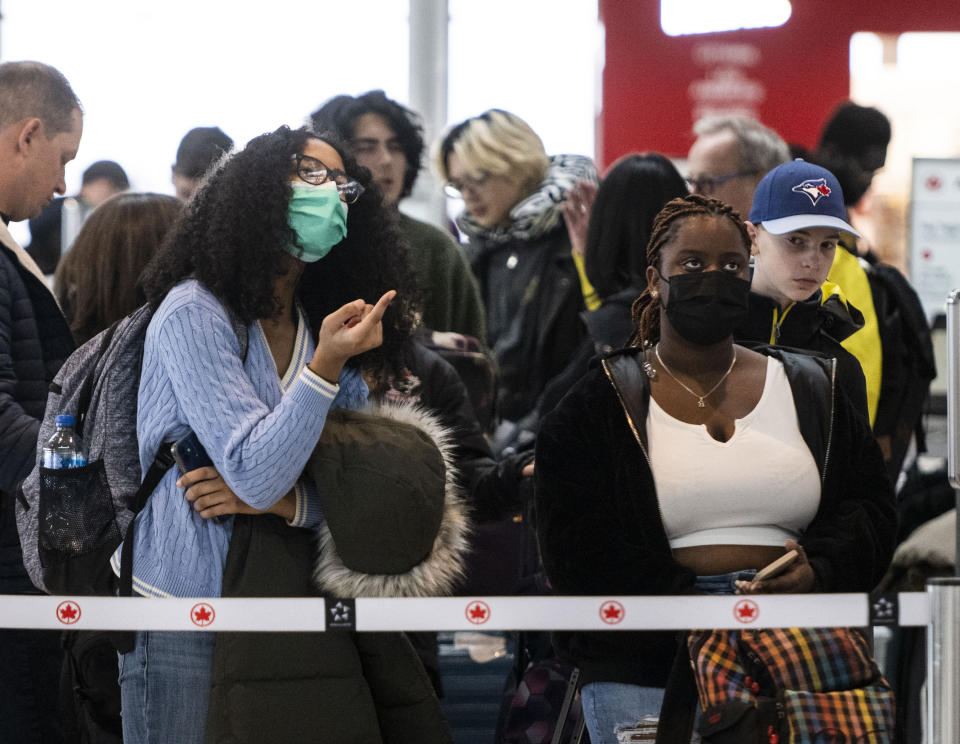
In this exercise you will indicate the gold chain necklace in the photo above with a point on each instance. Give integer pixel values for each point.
(700, 403)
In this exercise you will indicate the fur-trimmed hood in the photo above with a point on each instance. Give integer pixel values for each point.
(388, 486)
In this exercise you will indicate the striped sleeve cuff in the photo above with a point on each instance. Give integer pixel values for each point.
(308, 512)
(316, 382)
(313, 395)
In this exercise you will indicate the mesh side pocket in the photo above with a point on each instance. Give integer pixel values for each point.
(76, 513)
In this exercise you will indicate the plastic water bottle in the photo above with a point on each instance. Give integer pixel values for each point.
(64, 449)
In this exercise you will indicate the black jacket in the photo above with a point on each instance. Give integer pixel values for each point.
(34, 342)
(816, 324)
(608, 327)
(493, 487)
(532, 293)
(601, 533)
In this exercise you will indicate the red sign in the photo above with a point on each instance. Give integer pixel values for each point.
(789, 77)
(478, 612)
(746, 611)
(202, 614)
(68, 612)
(612, 612)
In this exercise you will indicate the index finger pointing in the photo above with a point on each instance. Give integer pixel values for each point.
(376, 314)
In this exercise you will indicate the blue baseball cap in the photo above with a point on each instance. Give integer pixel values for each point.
(797, 195)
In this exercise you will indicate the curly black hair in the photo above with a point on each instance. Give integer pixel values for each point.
(340, 115)
(231, 238)
(372, 259)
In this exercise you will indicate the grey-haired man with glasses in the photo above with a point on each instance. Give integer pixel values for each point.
(730, 156)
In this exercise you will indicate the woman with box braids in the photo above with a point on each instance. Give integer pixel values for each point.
(685, 463)
(646, 308)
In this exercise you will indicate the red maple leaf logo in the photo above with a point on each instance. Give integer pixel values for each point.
(478, 612)
(746, 611)
(934, 183)
(69, 613)
(202, 614)
(824, 189)
(611, 612)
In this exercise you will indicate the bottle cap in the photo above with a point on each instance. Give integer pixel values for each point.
(64, 419)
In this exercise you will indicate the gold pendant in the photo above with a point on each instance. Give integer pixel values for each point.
(700, 403)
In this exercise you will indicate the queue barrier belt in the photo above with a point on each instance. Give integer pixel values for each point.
(464, 613)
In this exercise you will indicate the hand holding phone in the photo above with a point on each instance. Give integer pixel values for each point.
(189, 454)
(776, 568)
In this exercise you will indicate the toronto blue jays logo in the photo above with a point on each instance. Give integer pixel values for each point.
(815, 188)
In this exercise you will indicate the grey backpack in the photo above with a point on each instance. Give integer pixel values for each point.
(72, 520)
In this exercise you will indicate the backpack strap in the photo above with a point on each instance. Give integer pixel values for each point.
(125, 640)
(158, 468)
(86, 392)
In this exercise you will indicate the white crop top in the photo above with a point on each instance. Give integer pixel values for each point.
(761, 487)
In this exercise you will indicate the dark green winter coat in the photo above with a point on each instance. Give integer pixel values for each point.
(339, 686)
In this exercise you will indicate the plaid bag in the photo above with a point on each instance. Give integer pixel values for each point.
(790, 686)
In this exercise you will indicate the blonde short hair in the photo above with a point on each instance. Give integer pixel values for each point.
(497, 143)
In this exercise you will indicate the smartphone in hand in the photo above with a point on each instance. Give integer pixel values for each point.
(778, 567)
(189, 454)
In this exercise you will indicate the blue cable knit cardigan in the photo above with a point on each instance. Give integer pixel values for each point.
(258, 429)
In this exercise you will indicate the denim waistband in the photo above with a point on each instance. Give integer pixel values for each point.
(723, 583)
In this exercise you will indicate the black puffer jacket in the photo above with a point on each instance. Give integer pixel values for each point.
(600, 529)
(34, 342)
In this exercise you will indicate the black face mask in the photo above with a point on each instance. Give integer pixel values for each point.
(706, 308)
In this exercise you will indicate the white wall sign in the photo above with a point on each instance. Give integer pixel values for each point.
(935, 230)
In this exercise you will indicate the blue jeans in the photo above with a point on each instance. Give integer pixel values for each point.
(613, 707)
(610, 707)
(723, 583)
(165, 687)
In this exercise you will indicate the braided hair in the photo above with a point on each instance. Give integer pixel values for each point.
(646, 308)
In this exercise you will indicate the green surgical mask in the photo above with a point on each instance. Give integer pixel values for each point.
(318, 217)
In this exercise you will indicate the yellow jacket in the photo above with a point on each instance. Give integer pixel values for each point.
(864, 344)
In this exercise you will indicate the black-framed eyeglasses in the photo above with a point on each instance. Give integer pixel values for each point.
(707, 185)
(455, 188)
(312, 171)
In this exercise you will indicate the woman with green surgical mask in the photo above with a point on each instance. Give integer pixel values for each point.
(231, 356)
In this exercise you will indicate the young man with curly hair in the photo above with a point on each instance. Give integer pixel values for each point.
(387, 138)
